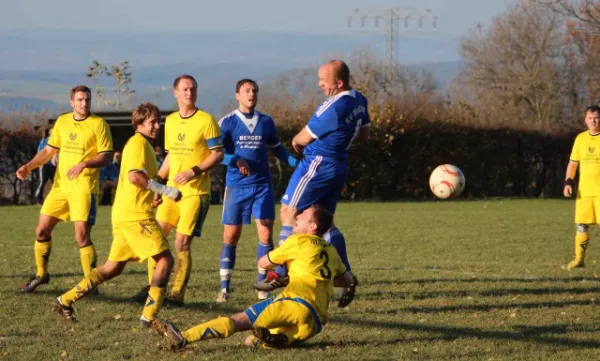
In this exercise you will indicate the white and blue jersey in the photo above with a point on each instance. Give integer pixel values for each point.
(250, 136)
(321, 174)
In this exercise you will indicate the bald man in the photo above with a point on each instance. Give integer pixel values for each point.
(325, 141)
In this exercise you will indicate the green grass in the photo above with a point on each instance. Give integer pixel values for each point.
(471, 280)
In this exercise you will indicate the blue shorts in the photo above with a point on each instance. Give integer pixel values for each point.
(316, 180)
(241, 202)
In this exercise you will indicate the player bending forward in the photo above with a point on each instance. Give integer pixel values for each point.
(136, 234)
(299, 312)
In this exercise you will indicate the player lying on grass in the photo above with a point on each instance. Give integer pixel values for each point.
(299, 312)
(136, 234)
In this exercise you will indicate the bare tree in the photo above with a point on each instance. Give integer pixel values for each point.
(123, 78)
(94, 72)
(513, 69)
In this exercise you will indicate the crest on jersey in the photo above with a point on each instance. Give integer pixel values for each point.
(181, 137)
(72, 136)
(591, 149)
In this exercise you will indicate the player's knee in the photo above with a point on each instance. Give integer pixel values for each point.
(287, 214)
(42, 232)
(582, 228)
(231, 234)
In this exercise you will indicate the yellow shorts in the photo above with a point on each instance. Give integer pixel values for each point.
(293, 317)
(79, 207)
(187, 215)
(137, 241)
(587, 210)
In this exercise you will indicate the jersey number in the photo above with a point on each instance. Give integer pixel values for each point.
(325, 271)
(356, 130)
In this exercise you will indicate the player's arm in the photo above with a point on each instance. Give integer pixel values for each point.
(322, 123)
(139, 179)
(345, 280)
(214, 158)
(302, 139)
(163, 172)
(278, 150)
(99, 161)
(279, 256)
(569, 176)
(41, 158)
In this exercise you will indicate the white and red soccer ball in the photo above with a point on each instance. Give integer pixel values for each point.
(447, 181)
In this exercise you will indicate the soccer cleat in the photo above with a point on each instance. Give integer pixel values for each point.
(34, 282)
(67, 313)
(262, 295)
(142, 295)
(168, 330)
(575, 264)
(268, 338)
(348, 293)
(273, 282)
(223, 296)
(173, 301)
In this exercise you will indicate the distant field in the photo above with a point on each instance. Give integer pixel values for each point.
(466, 280)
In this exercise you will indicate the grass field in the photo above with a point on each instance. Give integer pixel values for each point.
(470, 280)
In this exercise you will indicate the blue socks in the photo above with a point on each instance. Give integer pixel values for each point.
(286, 231)
(336, 239)
(262, 250)
(226, 264)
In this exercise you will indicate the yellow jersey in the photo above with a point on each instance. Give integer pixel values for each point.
(189, 141)
(312, 265)
(133, 204)
(586, 151)
(79, 141)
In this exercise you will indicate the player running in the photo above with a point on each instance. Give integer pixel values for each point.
(247, 136)
(136, 234)
(85, 145)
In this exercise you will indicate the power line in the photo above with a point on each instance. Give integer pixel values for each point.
(394, 20)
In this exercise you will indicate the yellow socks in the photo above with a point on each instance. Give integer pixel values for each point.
(42, 255)
(182, 274)
(156, 295)
(85, 286)
(151, 267)
(87, 255)
(581, 242)
(218, 328)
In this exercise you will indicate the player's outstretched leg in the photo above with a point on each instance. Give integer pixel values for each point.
(168, 330)
(581, 242)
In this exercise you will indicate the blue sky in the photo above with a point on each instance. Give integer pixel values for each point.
(315, 16)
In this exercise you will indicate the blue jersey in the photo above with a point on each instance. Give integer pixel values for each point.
(336, 123)
(250, 138)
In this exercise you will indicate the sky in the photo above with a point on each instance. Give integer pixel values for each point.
(455, 17)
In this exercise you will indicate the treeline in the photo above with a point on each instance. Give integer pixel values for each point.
(508, 120)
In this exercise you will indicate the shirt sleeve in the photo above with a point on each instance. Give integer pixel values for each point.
(133, 156)
(212, 134)
(104, 141)
(286, 252)
(54, 140)
(575, 156)
(367, 119)
(323, 122)
(273, 139)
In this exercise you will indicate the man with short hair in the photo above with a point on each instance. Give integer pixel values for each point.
(194, 146)
(136, 234)
(299, 312)
(247, 137)
(325, 141)
(85, 145)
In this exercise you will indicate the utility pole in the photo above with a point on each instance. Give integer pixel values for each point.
(394, 20)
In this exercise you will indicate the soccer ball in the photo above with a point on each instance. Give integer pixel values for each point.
(447, 181)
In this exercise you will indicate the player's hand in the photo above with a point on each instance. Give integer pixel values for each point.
(54, 160)
(568, 191)
(23, 172)
(75, 171)
(243, 166)
(157, 200)
(184, 177)
(297, 147)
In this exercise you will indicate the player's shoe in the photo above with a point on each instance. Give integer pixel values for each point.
(223, 296)
(272, 282)
(168, 330)
(262, 295)
(142, 295)
(174, 301)
(575, 264)
(348, 293)
(144, 322)
(268, 338)
(34, 282)
(67, 313)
